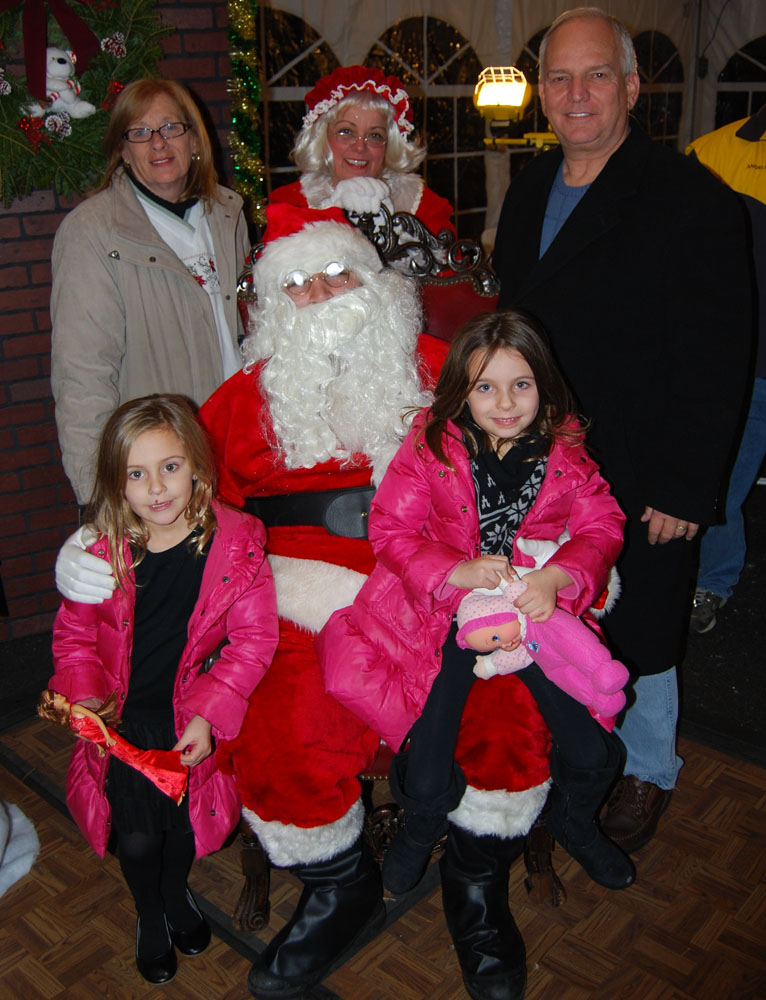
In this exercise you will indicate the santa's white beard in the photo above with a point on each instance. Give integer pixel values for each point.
(342, 373)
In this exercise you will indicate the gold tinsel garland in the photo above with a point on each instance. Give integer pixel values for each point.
(245, 90)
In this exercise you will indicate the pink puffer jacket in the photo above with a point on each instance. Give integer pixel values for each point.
(380, 657)
(92, 646)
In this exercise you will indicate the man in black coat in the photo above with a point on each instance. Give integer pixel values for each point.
(635, 259)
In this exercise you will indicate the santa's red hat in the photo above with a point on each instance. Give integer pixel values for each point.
(349, 80)
(309, 239)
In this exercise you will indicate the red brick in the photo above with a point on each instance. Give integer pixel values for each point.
(24, 299)
(171, 45)
(13, 277)
(17, 567)
(40, 273)
(19, 347)
(208, 41)
(32, 542)
(29, 458)
(43, 319)
(23, 368)
(7, 439)
(51, 602)
(213, 93)
(30, 500)
(201, 17)
(10, 228)
(38, 201)
(9, 483)
(27, 414)
(36, 434)
(43, 476)
(191, 68)
(21, 392)
(16, 525)
(20, 251)
(19, 322)
(20, 628)
(20, 586)
(42, 225)
(23, 607)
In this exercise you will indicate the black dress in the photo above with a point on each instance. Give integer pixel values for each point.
(167, 587)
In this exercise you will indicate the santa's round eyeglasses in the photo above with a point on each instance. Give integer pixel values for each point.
(298, 283)
(170, 130)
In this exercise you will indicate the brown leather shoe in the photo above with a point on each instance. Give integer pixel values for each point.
(633, 811)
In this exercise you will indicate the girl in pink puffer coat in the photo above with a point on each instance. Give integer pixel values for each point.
(498, 455)
(187, 635)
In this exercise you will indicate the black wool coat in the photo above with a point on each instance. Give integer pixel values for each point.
(646, 294)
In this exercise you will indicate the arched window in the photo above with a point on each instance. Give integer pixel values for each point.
(660, 102)
(293, 56)
(742, 83)
(439, 69)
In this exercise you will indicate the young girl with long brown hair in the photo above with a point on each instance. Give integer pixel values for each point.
(186, 636)
(498, 455)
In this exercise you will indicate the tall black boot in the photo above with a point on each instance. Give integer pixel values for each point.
(576, 797)
(489, 946)
(423, 825)
(341, 900)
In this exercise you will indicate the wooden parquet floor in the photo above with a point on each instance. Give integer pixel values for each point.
(693, 927)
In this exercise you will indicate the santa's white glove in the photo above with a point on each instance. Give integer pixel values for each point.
(80, 575)
(360, 194)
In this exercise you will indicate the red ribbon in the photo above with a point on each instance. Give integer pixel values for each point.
(34, 26)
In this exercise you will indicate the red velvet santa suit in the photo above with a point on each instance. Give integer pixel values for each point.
(299, 752)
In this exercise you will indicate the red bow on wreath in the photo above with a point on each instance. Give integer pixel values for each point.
(34, 25)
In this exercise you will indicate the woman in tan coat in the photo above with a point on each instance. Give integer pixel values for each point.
(144, 273)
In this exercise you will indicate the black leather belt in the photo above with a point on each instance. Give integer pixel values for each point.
(341, 512)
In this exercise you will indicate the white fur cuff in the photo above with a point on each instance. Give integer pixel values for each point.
(500, 813)
(288, 845)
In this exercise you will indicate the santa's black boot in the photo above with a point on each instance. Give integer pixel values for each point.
(490, 948)
(342, 900)
(575, 799)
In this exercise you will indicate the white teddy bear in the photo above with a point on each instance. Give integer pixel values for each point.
(62, 87)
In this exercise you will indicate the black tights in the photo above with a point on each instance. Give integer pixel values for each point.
(156, 867)
(580, 741)
(433, 738)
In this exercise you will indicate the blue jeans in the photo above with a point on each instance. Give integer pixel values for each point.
(723, 549)
(649, 730)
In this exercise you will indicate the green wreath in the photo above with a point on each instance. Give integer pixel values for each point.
(47, 147)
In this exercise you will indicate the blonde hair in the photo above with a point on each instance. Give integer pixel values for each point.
(133, 101)
(312, 153)
(108, 510)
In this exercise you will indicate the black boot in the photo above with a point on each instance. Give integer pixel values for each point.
(489, 946)
(342, 899)
(576, 797)
(423, 825)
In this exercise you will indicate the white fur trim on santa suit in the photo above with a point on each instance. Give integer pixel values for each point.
(309, 591)
(310, 250)
(288, 845)
(499, 813)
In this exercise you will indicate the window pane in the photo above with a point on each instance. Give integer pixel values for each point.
(471, 182)
(747, 65)
(658, 58)
(440, 178)
(285, 119)
(287, 36)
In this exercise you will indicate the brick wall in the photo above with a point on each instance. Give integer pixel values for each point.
(37, 506)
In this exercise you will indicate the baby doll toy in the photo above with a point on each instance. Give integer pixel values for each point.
(162, 767)
(566, 650)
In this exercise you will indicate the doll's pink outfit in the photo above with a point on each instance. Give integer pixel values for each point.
(566, 650)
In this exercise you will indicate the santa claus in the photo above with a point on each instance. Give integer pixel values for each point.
(334, 368)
